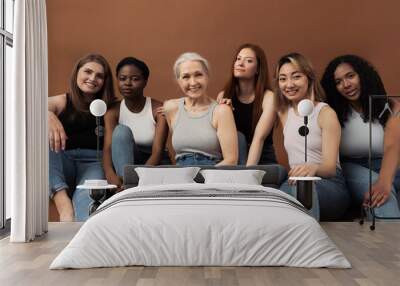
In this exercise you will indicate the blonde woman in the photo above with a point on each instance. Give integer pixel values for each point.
(203, 132)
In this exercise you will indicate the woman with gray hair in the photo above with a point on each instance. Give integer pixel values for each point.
(203, 132)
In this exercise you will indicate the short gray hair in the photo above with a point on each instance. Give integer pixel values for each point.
(186, 57)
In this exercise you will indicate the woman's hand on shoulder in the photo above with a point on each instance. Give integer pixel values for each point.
(169, 109)
(160, 110)
(169, 106)
(222, 100)
(166, 107)
(226, 101)
(158, 107)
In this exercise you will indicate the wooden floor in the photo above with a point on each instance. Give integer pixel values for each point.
(374, 255)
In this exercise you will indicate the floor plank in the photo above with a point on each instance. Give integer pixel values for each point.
(374, 255)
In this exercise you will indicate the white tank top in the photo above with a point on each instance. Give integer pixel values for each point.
(294, 142)
(142, 124)
(355, 138)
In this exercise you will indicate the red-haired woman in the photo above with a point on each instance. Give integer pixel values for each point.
(249, 92)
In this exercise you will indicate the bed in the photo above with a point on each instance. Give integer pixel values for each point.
(201, 224)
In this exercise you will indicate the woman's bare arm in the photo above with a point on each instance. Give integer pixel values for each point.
(227, 134)
(110, 122)
(381, 189)
(263, 128)
(160, 136)
(57, 135)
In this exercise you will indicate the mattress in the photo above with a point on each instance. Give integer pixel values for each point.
(201, 225)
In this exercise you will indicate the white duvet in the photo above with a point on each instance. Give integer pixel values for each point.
(201, 224)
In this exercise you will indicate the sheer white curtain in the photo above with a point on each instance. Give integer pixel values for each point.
(26, 117)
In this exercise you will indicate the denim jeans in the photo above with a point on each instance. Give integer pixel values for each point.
(356, 173)
(195, 159)
(70, 168)
(242, 144)
(124, 150)
(330, 197)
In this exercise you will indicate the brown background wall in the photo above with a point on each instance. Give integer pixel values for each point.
(157, 31)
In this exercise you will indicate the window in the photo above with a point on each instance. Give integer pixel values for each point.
(9, 16)
(6, 62)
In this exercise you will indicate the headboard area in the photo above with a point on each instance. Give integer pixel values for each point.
(274, 174)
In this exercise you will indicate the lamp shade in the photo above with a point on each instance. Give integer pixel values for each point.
(98, 107)
(305, 107)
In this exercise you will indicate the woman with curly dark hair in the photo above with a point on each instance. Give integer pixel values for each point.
(348, 81)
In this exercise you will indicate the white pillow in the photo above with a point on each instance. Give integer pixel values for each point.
(164, 176)
(249, 177)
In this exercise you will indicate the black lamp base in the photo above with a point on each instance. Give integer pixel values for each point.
(304, 191)
(99, 196)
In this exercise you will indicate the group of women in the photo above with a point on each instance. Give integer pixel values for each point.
(234, 129)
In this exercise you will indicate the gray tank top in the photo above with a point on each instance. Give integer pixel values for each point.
(195, 134)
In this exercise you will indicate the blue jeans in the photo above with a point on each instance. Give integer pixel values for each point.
(242, 144)
(330, 197)
(356, 173)
(124, 150)
(195, 159)
(70, 168)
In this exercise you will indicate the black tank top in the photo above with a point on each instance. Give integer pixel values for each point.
(80, 128)
(243, 115)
